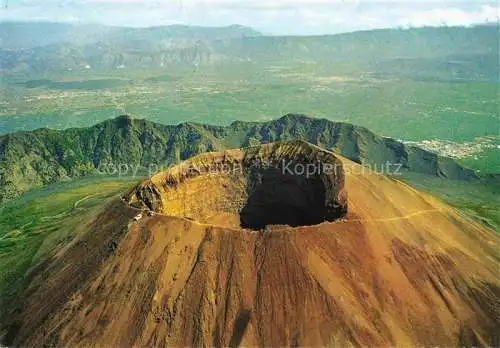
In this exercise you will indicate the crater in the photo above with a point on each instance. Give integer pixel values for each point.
(292, 183)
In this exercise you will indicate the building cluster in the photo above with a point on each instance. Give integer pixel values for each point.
(457, 150)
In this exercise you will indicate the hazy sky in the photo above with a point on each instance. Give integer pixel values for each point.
(268, 16)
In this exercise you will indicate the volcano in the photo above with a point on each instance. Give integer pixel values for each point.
(284, 244)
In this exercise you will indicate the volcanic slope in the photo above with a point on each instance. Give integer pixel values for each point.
(391, 266)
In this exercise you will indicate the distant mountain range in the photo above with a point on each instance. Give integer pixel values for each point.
(430, 52)
(55, 46)
(26, 35)
(33, 159)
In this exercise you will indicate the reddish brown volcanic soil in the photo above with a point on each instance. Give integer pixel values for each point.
(400, 269)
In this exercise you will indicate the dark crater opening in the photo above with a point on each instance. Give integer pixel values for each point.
(276, 198)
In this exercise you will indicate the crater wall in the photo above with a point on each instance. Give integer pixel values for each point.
(292, 183)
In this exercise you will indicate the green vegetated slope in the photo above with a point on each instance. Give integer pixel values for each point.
(34, 159)
(479, 199)
(43, 220)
